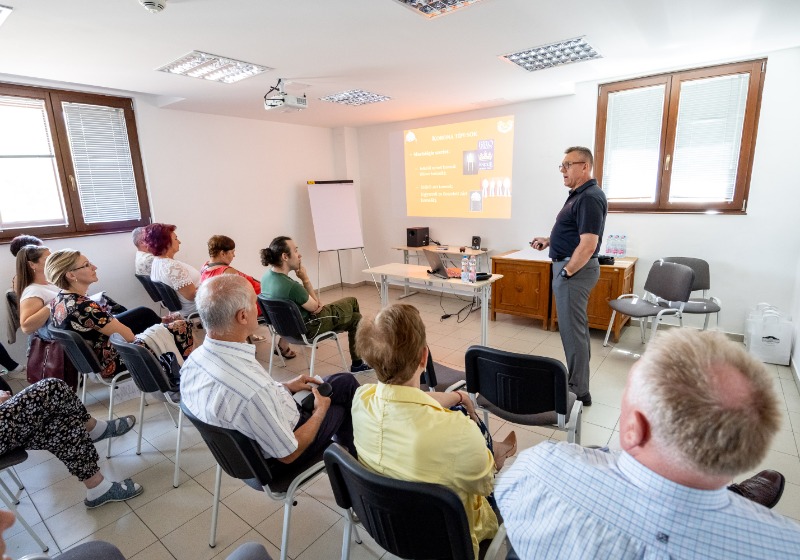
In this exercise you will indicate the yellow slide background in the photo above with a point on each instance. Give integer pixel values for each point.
(460, 170)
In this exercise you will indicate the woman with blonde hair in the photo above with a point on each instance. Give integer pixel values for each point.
(72, 310)
(222, 251)
(405, 433)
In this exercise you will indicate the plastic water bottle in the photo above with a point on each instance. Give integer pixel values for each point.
(623, 246)
(473, 269)
(609, 244)
(617, 247)
(465, 269)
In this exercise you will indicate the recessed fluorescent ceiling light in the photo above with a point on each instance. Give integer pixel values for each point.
(355, 97)
(433, 8)
(5, 11)
(554, 54)
(207, 66)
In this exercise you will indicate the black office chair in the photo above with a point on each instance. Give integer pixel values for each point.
(241, 457)
(85, 361)
(170, 300)
(150, 378)
(8, 461)
(523, 389)
(667, 289)
(285, 318)
(149, 287)
(408, 519)
(705, 305)
(441, 378)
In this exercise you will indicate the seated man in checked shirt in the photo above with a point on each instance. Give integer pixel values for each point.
(697, 410)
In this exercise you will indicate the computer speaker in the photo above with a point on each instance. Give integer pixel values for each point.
(476, 242)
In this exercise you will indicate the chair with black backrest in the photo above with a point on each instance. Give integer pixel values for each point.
(8, 461)
(407, 519)
(170, 300)
(284, 316)
(241, 457)
(441, 378)
(149, 377)
(523, 389)
(85, 361)
(666, 291)
(149, 287)
(705, 305)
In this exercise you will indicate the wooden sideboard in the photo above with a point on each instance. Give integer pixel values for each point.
(525, 290)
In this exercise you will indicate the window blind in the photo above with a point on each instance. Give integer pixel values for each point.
(28, 165)
(633, 136)
(98, 141)
(708, 138)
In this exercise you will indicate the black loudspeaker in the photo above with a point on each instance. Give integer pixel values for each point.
(476, 242)
(417, 236)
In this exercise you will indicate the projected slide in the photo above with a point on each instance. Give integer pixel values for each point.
(460, 170)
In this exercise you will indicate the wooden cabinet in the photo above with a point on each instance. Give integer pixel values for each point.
(615, 280)
(524, 289)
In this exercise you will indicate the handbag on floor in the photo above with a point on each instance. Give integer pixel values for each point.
(46, 358)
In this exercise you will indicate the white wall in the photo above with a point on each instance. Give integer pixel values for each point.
(209, 174)
(796, 318)
(753, 257)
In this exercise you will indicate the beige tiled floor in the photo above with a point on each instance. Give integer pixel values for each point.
(165, 522)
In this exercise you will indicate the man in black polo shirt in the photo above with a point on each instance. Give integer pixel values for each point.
(574, 243)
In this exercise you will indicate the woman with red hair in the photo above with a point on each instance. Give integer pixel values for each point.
(163, 242)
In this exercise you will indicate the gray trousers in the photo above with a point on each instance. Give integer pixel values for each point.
(572, 298)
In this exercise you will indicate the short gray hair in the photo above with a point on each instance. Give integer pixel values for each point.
(683, 385)
(585, 152)
(218, 300)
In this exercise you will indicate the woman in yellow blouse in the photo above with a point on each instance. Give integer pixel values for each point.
(405, 433)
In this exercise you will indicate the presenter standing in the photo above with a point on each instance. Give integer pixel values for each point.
(574, 244)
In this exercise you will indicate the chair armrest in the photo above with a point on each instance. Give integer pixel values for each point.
(497, 542)
(625, 296)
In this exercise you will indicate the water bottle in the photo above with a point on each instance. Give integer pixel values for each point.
(623, 242)
(617, 248)
(465, 269)
(473, 269)
(609, 245)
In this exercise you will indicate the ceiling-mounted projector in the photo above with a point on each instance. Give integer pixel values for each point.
(278, 100)
(153, 6)
(285, 103)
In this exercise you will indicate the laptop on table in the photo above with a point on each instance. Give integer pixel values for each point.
(438, 268)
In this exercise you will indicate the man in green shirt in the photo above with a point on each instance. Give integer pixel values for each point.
(282, 257)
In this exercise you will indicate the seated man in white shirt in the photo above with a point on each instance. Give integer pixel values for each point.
(697, 410)
(144, 259)
(223, 384)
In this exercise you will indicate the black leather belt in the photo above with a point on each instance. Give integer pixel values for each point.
(565, 259)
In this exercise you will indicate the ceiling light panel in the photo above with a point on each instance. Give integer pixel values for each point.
(433, 8)
(554, 54)
(211, 67)
(355, 97)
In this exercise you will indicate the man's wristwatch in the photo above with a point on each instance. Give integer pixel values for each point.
(564, 274)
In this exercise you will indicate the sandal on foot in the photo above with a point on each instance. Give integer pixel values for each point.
(287, 354)
(119, 492)
(505, 449)
(117, 427)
